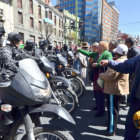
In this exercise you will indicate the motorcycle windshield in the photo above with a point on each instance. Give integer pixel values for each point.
(47, 63)
(31, 67)
(62, 60)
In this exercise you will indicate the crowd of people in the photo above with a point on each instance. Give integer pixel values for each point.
(113, 68)
(114, 71)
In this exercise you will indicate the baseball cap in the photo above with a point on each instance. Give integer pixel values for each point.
(121, 49)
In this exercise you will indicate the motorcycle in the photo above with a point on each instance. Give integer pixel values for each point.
(24, 98)
(62, 92)
(73, 75)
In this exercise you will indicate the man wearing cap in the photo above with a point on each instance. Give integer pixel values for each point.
(116, 85)
(83, 62)
(131, 66)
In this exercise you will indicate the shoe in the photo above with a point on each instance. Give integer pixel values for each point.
(97, 115)
(94, 108)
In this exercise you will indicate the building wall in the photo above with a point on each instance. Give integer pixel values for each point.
(68, 31)
(90, 12)
(110, 20)
(58, 28)
(25, 28)
(7, 11)
(115, 23)
(35, 32)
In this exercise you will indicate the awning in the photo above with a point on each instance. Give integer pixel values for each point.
(47, 20)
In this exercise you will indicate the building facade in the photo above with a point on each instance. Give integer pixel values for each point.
(69, 31)
(90, 12)
(33, 19)
(110, 21)
(6, 12)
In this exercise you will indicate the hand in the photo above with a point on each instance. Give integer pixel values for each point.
(94, 65)
(104, 63)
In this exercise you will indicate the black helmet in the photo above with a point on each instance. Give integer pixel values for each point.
(10, 35)
(65, 47)
(50, 46)
(42, 43)
(130, 40)
(14, 37)
(30, 45)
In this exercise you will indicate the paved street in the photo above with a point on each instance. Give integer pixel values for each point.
(87, 126)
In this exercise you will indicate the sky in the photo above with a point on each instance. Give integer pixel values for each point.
(129, 21)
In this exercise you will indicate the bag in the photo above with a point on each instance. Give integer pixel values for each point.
(100, 82)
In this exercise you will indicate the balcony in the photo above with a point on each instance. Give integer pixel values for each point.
(1, 13)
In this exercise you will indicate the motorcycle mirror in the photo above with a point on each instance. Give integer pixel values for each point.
(5, 84)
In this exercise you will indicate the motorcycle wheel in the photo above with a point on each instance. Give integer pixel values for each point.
(77, 86)
(67, 97)
(50, 133)
(47, 132)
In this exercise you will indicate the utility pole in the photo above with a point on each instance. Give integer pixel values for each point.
(77, 21)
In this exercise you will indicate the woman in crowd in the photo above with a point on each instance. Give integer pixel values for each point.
(102, 54)
(94, 48)
(116, 85)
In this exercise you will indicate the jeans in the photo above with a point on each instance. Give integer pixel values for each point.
(113, 102)
(130, 130)
(100, 101)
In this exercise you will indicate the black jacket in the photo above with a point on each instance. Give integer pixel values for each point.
(134, 51)
(6, 58)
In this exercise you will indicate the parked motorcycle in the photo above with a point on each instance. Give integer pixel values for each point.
(73, 75)
(25, 98)
(62, 92)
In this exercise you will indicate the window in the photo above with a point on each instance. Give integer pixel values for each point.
(59, 23)
(19, 3)
(55, 20)
(59, 33)
(55, 31)
(22, 35)
(31, 22)
(39, 25)
(46, 14)
(50, 15)
(62, 23)
(31, 7)
(20, 18)
(39, 11)
(32, 38)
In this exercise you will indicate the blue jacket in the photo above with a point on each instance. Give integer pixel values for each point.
(131, 66)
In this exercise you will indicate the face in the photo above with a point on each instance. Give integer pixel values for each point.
(94, 49)
(100, 48)
(128, 44)
(111, 47)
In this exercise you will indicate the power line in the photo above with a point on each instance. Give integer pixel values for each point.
(137, 22)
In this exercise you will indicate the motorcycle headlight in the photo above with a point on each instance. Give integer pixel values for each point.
(42, 92)
(46, 92)
(66, 64)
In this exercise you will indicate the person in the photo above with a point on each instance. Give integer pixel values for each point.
(133, 50)
(112, 45)
(131, 66)
(102, 54)
(116, 85)
(94, 48)
(83, 62)
(6, 58)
